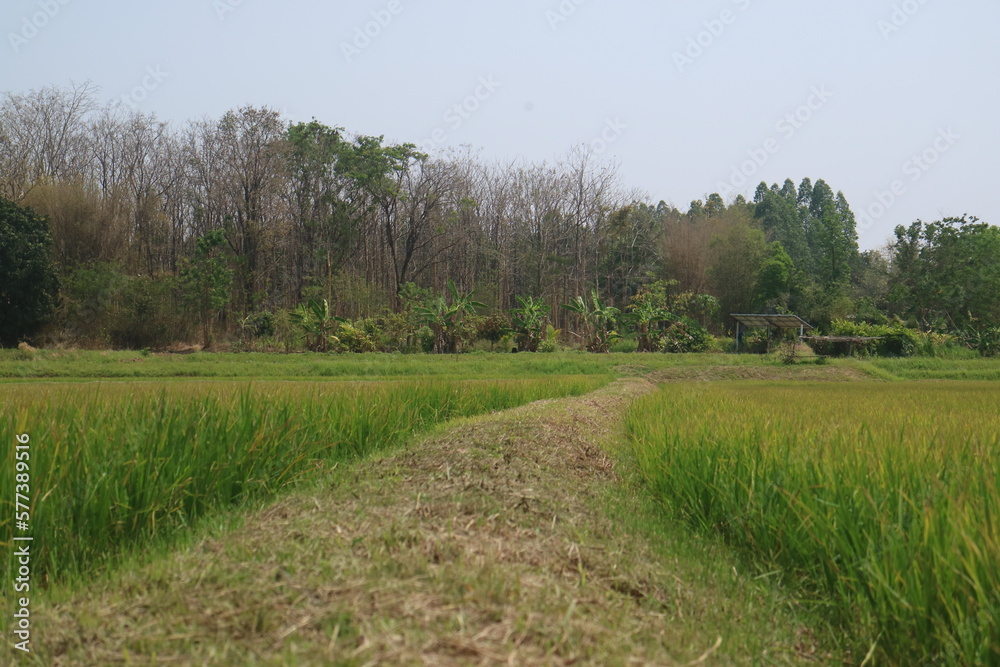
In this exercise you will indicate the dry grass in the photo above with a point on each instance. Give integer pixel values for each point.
(479, 545)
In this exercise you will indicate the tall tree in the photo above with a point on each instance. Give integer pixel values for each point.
(28, 284)
(252, 159)
(947, 273)
(738, 254)
(206, 281)
(326, 208)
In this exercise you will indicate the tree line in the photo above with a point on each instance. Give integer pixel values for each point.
(157, 234)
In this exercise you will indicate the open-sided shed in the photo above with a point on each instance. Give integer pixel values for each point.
(769, 321)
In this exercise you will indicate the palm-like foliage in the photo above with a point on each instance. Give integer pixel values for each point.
(529, 322)
(643, 316)
(445, 319)
(598, 320)
(318, 323)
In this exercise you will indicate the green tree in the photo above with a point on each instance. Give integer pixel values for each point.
(28, 283)
(206, 281)
(832, 233)
(780, 218)
(774, 278)
(326, 208)
(738, 256)
(948, 272)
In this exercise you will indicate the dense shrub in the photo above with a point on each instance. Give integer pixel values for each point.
(893, 340)
(985, 340)
(754, 342)
(360, 336)
(685, 335)
(259, 325)
(102, 305)
(492, 329)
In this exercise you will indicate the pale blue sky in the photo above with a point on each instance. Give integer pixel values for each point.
(886, 80)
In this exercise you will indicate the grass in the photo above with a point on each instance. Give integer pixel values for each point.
(879, 501)
(487, 542)
(81, 365)
(87, 365)
(931, 368)
(115, 465)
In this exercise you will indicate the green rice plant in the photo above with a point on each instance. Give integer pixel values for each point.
(880, 501)
(115, 465)
(81, 364)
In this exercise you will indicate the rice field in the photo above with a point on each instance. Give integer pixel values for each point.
(113, 465)
(880, 501)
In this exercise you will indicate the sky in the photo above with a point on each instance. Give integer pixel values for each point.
(893, 102)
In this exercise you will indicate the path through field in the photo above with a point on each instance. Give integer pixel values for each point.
(491, 542)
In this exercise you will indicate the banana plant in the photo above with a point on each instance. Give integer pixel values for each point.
(598, 319)
(528, 322)
(319, 324)
(643, 315)
(445, 319)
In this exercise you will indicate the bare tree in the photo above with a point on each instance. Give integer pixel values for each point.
(42, 136)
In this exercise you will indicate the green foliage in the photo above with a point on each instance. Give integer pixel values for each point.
(492, 329)
(528, 323)
(123, 465)
(89, 294)
(685, 335)
(396, 332)
(948, 271)
(985, 340)
(550, 343)
(103, 306)
(287, 332)
(673, 329)
(894, 340)
(817, 234)
(447, 320)
(598, 320)
(319, 324)
(737, 256)
(624, 346)
(144, 315)
(755, 342)
(774, 278)
(206, 281)
(646, 310)
(358, 337)
(699, 307)
(28, 283)
(879, 506)
(259, 325)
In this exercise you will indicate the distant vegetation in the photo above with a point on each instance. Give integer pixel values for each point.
(248, 232)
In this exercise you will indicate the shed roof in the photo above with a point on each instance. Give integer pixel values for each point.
(771, 320)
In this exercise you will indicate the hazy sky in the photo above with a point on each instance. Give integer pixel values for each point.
(894, 102)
